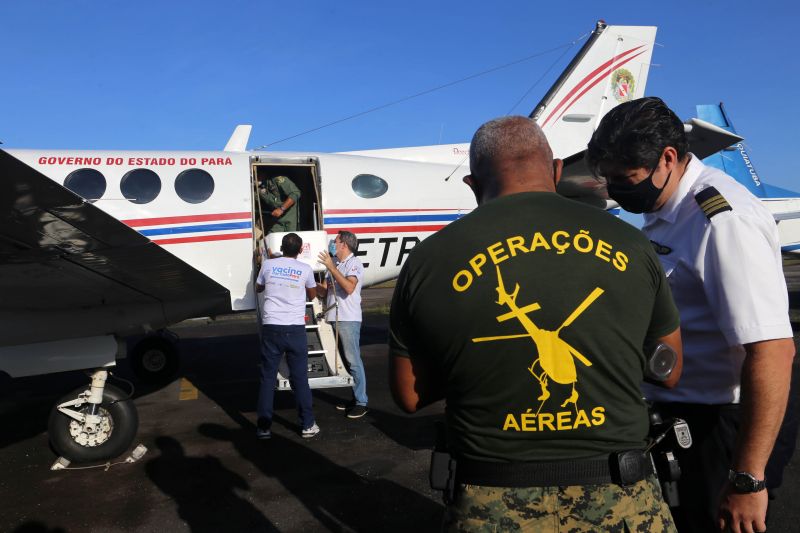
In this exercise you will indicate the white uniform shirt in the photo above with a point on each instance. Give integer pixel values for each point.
(349, 304)
(726, 276)
(285, 281)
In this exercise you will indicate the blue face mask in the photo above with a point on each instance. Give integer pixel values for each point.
(332, 248)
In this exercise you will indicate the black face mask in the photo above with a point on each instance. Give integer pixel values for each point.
(639, 198)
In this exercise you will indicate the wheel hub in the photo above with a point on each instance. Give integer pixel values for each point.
(154, 360)
(91, 436)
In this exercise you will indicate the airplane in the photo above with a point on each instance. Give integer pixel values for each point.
(737, 163)
(97, 246)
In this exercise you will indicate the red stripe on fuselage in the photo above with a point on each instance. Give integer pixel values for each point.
(353, 211)
(585, 80)
(135, 222)
(205, 238)
(386, 229)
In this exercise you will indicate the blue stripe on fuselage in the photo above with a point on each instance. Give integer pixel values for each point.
(196, 229)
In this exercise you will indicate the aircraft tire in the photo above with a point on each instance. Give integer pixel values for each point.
(155, 360)
(119, 427)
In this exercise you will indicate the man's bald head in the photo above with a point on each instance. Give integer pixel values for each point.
(509, 155)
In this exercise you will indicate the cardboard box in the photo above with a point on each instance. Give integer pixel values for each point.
(314, 242)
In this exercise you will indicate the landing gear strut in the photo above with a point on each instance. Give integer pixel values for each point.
(93, 424)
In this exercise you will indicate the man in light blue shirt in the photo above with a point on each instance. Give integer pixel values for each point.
(342, 286)
(287, 282)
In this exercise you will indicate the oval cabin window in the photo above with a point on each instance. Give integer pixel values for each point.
(369, 186)
(87, 183)
(140, 186)
(194, 185)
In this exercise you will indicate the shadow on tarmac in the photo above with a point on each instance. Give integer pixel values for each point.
(337, 497)
(37, 527)
(204, 491)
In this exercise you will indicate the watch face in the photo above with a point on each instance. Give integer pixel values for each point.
(743, 482)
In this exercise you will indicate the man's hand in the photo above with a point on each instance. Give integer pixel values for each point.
(326, 259)
(742, 513)
(277, 212)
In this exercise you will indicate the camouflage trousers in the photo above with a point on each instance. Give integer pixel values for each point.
(589, 508)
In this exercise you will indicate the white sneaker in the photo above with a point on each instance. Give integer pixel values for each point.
(308, 433)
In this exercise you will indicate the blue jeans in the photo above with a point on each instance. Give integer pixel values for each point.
(275, 340)
(350, 335)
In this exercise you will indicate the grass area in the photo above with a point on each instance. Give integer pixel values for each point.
(385, 285)
(380, 309)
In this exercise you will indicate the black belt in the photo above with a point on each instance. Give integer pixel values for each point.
(621, 468)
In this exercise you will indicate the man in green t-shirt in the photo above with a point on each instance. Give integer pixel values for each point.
(529, 316)
(279, 196)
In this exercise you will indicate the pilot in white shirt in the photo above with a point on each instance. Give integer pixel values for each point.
(721, 253)
(720, 250)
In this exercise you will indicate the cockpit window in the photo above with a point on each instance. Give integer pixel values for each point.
(140, 185)
(194, 185)
(86, 182)
(369, 186)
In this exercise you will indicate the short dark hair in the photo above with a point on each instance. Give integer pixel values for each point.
(291, 244)
(635, 133)
(350, 240)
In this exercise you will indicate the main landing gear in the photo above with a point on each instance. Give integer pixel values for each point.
(155, 359)
(95, 423)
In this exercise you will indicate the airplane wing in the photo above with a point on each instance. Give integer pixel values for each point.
(68, 269)
(578, 183)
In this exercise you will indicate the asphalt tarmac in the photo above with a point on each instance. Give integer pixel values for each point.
(206, 472)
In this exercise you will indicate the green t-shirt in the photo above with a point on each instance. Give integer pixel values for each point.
(535, 310)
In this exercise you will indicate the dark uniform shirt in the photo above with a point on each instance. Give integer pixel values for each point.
(535, 310)
(276, 190)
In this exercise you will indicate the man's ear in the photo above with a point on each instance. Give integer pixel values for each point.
(670, 156)
(474, 187)
(558, 166)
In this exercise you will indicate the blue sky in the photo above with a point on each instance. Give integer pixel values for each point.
(181, 75)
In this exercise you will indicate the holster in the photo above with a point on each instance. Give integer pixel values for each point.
(442, 474)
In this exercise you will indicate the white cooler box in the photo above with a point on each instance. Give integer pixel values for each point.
(314, 242)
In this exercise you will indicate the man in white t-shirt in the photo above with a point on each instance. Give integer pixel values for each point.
(288, 283)
(342, 287)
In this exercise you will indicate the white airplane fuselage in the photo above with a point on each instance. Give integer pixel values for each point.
(216, 235)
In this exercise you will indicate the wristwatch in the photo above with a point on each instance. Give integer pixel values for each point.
(745, 482)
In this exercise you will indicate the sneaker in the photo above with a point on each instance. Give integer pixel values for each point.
(308, 433)
(263, 433)
(357, 411)
(345, 406)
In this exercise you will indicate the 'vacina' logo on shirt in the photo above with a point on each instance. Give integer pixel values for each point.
(292, 274)
(555, 361)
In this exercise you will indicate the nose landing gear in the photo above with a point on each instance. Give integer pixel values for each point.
(93, 424)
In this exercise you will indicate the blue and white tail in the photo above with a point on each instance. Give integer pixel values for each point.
(736, 162)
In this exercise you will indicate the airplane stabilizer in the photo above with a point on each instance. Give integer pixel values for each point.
(737, 163)
(239, 138)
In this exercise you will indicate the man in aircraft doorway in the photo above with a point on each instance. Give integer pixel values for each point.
(279, 197)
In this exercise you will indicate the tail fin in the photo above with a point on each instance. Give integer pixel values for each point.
(611, 68)
(238, 141)
(735, 161)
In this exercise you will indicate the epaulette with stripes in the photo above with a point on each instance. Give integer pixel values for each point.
(712, 202)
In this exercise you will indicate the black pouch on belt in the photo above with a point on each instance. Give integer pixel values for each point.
(629, 467)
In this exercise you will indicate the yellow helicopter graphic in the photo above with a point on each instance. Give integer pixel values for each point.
(555, 356)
